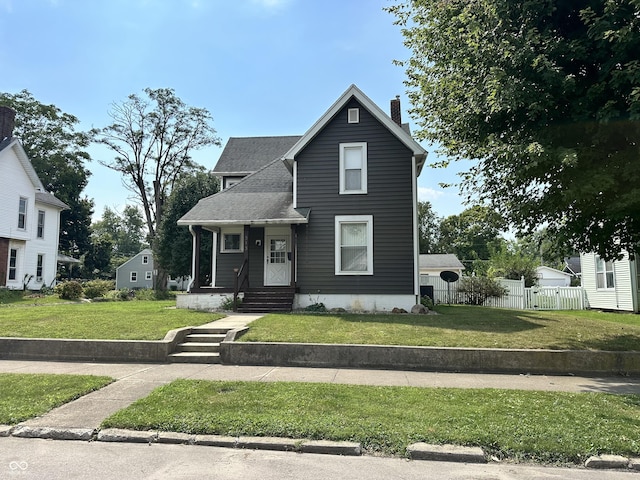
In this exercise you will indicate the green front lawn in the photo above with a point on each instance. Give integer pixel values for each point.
(458, 326)
(24, 396)
(542, 426)
(136, 320)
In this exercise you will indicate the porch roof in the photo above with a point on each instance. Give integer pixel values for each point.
(264, 197)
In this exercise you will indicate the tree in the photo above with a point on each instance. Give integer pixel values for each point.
(153, 139)
(509, 260)
(174, 242)
(57, 153)
(125, 231)
(470, 235)
(544, 95)
(428, 228)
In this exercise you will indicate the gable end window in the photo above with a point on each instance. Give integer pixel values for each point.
(353, 115)
(353, 168)
(605, 277)
(133, 277)
(232, 242)
(40, 224)
(354, 245)
(22, 213)
(145, 259)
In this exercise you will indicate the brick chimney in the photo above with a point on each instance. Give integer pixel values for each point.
(7, 119)
(396, 115)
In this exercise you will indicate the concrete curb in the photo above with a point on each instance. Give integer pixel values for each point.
(445, 453)
(53, 433)
(607, 461)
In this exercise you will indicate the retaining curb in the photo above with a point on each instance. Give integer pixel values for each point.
(445, 453)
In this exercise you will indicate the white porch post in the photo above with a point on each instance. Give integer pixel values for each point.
(194, 254)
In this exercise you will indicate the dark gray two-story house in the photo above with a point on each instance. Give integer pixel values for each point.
(327, 217)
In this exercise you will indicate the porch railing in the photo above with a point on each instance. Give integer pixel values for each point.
(241, 278)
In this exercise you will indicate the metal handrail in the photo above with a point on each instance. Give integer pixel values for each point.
(242, 277)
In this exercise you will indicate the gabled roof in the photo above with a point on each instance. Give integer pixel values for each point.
(145, 251)
(354, 92)
(246, 155)
(264, 197)
(440, 261)
(49, 199)
(544, 268)
(15, 144)
(573, 266)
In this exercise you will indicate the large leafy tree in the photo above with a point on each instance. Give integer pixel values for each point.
(126, 231)
(153, 137)
(545, 95)
(58, 154)
(174, 243)
(471, 234)
(428, 228)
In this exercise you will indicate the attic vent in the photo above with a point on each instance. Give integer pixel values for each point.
(354, 115)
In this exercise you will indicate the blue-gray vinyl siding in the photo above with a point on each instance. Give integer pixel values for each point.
(123, 272)
(226, 262)
(389, 199)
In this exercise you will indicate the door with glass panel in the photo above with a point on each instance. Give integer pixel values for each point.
(277, 268)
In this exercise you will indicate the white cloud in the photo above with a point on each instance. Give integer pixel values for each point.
(426, 193)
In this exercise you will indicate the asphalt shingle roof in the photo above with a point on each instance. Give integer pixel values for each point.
(249, 154)
(440, 260)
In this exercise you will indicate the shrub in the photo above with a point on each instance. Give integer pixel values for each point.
(145, 294)
(10, 296)
(316, 307)
(478, 289)
(46, 290)
(227, 303)
(69, 290)
(98, 288)
(426, 301)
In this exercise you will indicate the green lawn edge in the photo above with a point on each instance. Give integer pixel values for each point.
(24, 396)
(548, 427)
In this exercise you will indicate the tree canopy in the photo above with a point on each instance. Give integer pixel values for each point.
(58, 154)
(428, 228)
(545, 96)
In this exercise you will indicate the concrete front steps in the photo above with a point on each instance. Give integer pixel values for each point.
(201, 345)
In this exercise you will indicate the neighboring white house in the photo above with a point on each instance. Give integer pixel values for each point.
(29, 217)
(434, 263)
(139, 271)
(550, 277)
(611, 285)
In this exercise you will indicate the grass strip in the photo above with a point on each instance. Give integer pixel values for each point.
(457, 326)
(139, 320)
(540, 426)
(24, 396)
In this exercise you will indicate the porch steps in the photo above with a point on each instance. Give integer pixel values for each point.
(201, 345)
(268, 299)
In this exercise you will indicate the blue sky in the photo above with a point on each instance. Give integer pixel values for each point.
(261, 67)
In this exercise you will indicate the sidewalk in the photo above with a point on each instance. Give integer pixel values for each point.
(134, 381)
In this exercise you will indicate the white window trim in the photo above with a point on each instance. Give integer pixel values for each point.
(41, 214)
(604, 274)
(145, 259)
(148, 275)
(131, 277)
(225, 232)
(353, 115)
(363, 184)
(39, 278)
(21, 214)
(340, 219)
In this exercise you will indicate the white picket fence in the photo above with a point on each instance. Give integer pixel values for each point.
(518, 296)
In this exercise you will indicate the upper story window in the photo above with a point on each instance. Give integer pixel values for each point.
(145, 259)
(230, 182)
(605, 277)
(22, 213)
(354, 245)
(353, 168)
(353, 115)
(232, 242)
(40, 223)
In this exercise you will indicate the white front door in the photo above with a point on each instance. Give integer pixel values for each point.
(277, 268)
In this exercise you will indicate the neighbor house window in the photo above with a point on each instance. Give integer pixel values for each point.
(145, 259)
(354, 245)
(147, 275)
(604, 274)
(39, 267)
(22, 213)
(231, 242)
(13, 264)
(40, 223)
(353, 115)
(353, 168)
(133, 276)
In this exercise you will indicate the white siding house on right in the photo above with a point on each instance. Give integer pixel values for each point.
(611, 285)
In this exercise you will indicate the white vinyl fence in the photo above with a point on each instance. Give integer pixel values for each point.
(518, 296)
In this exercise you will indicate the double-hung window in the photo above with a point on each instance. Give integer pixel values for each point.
(354, 245)
(39, 267)
(133, 277)
(40, 232)
(605, 277)
(22, 213)
(13, 264)
(353, 168)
